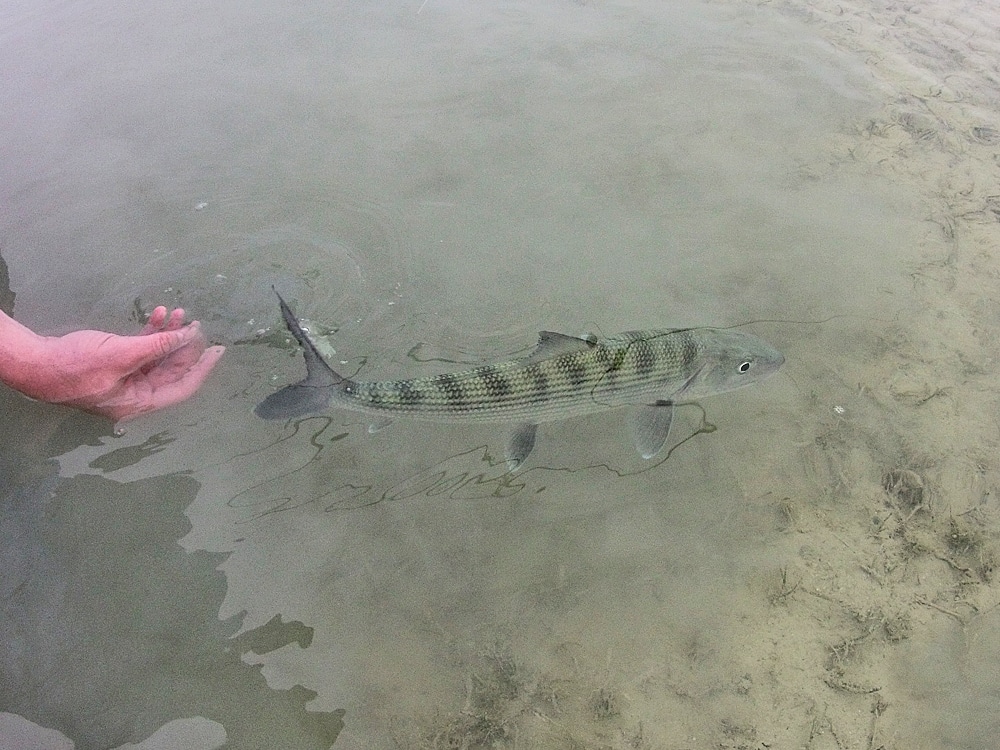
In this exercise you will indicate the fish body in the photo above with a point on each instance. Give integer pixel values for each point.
(565, 376)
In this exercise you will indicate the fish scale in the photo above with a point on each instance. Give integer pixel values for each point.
(632, 367)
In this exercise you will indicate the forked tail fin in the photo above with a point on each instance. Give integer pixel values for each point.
(307, 396)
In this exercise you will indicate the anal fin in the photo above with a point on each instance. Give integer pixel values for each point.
(378, 423)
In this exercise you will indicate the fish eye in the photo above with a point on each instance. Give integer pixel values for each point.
(744, 365)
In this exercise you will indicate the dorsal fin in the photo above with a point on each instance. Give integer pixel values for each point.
(551, 344)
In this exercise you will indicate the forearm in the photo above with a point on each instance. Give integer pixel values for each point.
(21, 353)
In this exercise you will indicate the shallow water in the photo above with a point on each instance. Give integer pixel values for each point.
(439, 181)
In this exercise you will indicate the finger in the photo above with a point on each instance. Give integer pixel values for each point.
(161, 320)
(145, 396)
(184, 387)
(155, 322)
(137, 351)
(175, 364)
(176, 320)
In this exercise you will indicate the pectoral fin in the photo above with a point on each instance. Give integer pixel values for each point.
(651, 427)
(522, 440)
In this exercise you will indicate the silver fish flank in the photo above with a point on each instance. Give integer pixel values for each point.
(565, 376)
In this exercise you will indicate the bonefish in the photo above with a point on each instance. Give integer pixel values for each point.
(565, 376)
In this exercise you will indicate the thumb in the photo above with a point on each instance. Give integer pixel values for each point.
(144, 349)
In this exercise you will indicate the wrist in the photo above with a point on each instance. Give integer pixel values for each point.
(22, 356)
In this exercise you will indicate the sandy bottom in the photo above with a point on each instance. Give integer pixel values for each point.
(883, 628)
(880, 628)
(863, 609)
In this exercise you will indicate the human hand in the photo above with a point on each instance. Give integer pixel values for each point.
(123, 376)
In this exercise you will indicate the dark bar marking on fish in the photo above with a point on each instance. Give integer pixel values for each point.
(540, 381)
(453, 391)
(645, 359)
(408, 395)
(497, 385)
(576, 373)
(689, 353)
